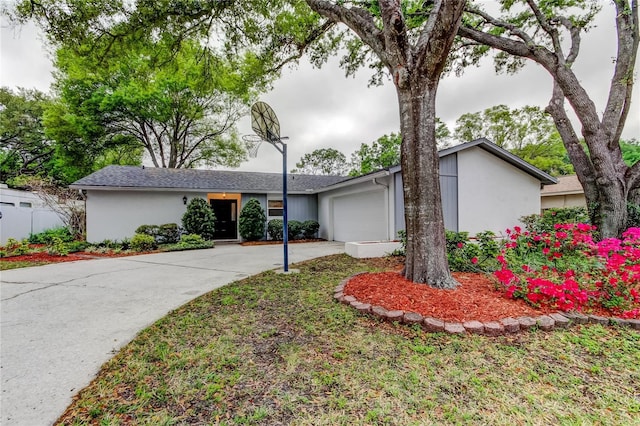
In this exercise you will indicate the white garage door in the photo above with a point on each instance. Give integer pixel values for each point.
(360, 217)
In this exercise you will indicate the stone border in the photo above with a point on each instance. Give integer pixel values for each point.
(488, 328)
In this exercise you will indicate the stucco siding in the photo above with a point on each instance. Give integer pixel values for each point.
(491, 194)
(117, 214)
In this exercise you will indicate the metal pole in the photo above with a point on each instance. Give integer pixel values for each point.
(285, 222)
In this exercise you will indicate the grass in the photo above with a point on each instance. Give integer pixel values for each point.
(5, 266)
(276, 349)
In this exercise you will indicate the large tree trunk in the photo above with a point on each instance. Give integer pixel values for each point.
(415, 60)
(426, 261)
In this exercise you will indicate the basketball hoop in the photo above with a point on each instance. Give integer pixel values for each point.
(252, 144)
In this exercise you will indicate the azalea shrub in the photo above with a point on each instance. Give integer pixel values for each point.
(567, 270)
(465, 255)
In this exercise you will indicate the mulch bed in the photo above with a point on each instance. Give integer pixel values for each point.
(476, 299)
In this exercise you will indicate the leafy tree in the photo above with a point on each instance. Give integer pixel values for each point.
(180, 111)
(550, 33)
(24, 148)
(199, 219)
(252, 221)
(409, 41)
(382, 153)
(528, 132)
(630, 151)
(325, 161)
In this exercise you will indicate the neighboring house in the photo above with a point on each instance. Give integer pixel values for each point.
(23, 213)
(484, 187)
(567, 192)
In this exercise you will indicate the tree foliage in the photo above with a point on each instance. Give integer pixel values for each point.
(324, 161)
(24, 148)
(550, 34)
(381, 153)
(527, 132)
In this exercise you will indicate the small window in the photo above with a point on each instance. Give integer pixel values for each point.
(275, 208)
(25, 204)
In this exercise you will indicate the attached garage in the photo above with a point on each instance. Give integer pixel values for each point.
(359, 217)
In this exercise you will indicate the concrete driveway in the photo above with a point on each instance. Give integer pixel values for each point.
(61, 322)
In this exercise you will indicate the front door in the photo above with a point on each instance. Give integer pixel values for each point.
(226, 225)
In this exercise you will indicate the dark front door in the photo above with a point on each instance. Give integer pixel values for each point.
(226, 225)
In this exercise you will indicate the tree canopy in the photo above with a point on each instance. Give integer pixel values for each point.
(324, 161)
(24, 148)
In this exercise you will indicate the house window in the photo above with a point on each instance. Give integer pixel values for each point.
(275, 208)
(25, 204)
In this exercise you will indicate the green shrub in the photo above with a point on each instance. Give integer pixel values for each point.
(252, 221)
(275, 229)
(143, 242)
(169, 233)
(58, 247)
(199, 219)
(190, 242)
(633, 215)
(14, 247)
(463, 254)
(294, 228)
(47, 236)
(545, 222)
(310, 229)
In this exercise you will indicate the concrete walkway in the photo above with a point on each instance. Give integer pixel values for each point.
(61, 322)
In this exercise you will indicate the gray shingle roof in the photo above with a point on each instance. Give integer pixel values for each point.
(133, 177)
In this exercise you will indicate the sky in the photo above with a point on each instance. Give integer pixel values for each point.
(321, 108)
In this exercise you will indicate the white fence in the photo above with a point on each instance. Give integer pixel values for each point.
(24, 213)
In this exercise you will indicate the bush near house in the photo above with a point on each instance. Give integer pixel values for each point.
(546, 221)
(143, 242)
(310, 229)
(274, 229)
(49, 235)
(295, 229)
(199, 219)
(169, 233)
(252, 221)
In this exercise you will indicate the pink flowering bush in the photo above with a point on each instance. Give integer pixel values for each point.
(566, 269)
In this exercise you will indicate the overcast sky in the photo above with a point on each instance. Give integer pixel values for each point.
(321, 108)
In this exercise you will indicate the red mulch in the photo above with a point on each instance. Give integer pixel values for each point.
(52, 258)
(475, 299)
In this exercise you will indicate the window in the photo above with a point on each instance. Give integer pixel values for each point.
(275, 208)
(25, 204)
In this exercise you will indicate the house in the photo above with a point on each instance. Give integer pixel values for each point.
(23, 213)
(483, 188)
(567, 192)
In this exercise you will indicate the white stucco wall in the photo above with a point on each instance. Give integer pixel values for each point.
(326, 209)
(115, 215)
(492, 195)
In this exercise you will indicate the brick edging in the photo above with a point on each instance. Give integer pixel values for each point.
(487, 328)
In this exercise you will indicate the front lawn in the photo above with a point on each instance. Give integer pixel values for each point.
(277, 349)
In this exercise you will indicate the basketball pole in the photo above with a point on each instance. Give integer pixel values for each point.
(285, 222)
